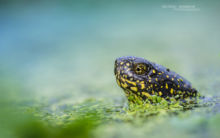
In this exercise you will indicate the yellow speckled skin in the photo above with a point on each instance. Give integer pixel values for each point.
(143, 79)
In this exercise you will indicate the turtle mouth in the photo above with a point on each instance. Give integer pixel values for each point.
(116, 70)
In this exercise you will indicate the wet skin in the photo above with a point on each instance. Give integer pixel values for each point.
(142, 78)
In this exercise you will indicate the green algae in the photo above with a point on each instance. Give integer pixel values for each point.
(100, 117)
(85, 119)
(24, 117)
(61, 84)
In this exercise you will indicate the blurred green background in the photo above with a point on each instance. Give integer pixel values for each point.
(57, 60)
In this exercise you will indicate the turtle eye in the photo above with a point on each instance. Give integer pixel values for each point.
(140, 68)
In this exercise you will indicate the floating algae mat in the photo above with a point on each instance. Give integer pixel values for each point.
(57, 68)
(101, 118)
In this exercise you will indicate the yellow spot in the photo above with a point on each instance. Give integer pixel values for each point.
(178, 86)
(166, 86)
(125, 85)
(161, 86)
(149, 80)
(159, 73)
(152, 92)
(146, 94)
(171, 90)
(167, 76)
(142, 82)
(118, 83)
(123, 79)
(118, 72)
(127, 64)
(154, 71)
(131, 82)
(155, 85)
(172, 79)
(142, 86)
(160, 93)
(156, 79)
(122, 63)
(180, 80)
(151, 85)
(137, 81)
(134, 88)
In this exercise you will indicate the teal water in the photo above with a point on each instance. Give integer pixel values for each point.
(55, 55)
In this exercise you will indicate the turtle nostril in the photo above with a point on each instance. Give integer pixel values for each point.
(117, 62)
